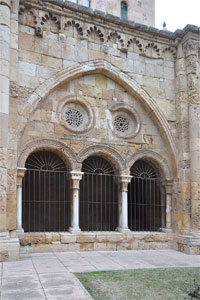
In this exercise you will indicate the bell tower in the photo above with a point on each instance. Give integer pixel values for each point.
(139, 11)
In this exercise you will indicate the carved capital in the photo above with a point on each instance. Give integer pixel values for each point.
(191, 48)
(20, 175)
(76, 176)
(192, 64)
(124, 180)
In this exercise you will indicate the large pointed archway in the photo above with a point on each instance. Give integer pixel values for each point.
(112, 72)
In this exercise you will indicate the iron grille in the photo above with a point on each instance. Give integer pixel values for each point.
(46, 194)
(146, 199)
(46, 201)
(98, 202)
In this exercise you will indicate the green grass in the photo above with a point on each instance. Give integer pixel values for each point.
(153, 284)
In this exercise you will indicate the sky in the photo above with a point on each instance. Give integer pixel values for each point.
(177, 13)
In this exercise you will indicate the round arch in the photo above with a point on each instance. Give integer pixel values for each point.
(154, 158)
(61, 149)
(111, 155)
(114, 73)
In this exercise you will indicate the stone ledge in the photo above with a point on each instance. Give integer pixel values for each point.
(93, 241)
(9, 249)
(189, 244)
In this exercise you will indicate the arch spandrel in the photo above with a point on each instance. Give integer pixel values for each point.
(61, 149)
(104, 68)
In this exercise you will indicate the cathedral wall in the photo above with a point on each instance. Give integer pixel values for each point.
(51, 43)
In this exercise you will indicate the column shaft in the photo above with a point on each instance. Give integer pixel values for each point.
(123, 203)
(5, 6)
(75, 177)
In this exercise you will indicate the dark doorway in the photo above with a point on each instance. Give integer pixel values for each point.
(46, 194)
(146, 198)
(98, 196)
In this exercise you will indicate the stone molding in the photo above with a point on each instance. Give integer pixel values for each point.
(105, 151)
(112, 72)
(159, 161)
(62, 149)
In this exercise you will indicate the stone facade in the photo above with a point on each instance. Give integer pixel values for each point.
(56, 56)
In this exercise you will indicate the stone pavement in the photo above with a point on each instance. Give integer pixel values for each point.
(50, 275)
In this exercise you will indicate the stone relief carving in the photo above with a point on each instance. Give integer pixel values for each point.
(115, 37)
(75, 24)
(96, 31)
(169, 50)
(62, 25)
(136, 42)
(152, 50)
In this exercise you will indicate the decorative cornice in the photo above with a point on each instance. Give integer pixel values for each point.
(116, 20)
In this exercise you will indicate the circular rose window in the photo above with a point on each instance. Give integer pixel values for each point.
(124, 121)
(74, 118)
(121, 123)
(76, 115)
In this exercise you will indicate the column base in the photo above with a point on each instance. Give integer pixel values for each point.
(9, 247)
(123, 229)
(19, 232)
(75, 230)
(166, 230)
(189, 244)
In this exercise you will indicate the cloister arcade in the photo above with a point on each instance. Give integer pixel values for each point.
(97, 197)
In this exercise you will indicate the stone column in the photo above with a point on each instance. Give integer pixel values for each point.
(182, 212)
(191, 55)
(5, 7)
(20, 175)
(168, 187)
(75, 178)
(124, 180)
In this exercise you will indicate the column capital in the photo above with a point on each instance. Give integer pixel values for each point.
(124, 180)
(76, 176)
(20, 175)
(191, 47)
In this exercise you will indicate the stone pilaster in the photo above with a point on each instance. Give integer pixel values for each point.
(5, 7)
(124, 180)
(20, 176)
(182, 212)
(76, 176)
(168, 187)
(191, 55)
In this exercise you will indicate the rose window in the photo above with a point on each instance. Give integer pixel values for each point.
(73, 118)
(121, 124)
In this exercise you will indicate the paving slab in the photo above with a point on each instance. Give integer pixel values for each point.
(50, 275)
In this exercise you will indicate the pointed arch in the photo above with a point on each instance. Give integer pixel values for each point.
(105, 68)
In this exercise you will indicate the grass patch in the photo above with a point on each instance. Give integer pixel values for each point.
(151, 284)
